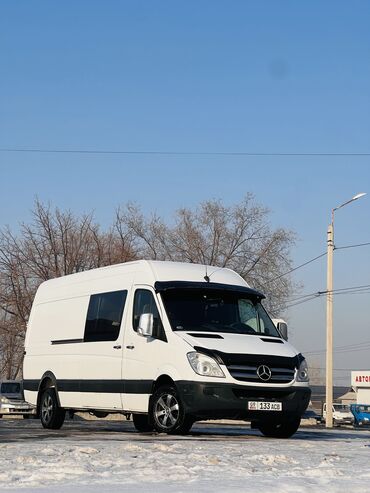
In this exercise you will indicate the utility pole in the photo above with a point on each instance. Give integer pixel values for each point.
(329, 314)
(329, 325)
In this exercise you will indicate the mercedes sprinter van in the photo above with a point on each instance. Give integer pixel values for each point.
(169, 343)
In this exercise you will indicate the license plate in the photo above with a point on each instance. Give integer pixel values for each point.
(264, 406)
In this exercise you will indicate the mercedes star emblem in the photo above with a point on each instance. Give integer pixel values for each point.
(264, 372)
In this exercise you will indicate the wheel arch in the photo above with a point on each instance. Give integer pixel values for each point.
(163, 379)
(47, 381)
(168, 374)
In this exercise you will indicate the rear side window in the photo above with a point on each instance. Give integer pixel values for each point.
(104, 316)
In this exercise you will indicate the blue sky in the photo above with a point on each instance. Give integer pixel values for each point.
(198, 76)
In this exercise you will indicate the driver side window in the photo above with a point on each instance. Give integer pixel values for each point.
(144, 302)
(248, 314)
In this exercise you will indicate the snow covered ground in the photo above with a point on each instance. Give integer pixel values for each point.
(110, 457)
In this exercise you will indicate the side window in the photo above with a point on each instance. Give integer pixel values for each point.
(267, 326)
(144, 302)
(104, 316)
(248, 314)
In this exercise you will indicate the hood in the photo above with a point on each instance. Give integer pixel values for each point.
(238, 343)
(343, 414)
(11, 396)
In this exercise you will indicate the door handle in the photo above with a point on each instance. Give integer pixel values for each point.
(117, 347)
(130, 347)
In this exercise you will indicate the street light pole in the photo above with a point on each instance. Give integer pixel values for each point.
(329, 315)
(329, 325)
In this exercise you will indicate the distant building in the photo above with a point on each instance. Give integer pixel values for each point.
(360, 381)
(318, 395)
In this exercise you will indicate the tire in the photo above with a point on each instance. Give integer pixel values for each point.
(52, 416)
(167, 412)
(141, 423)
(280, 430)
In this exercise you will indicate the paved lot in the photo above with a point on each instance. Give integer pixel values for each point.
(20, 430)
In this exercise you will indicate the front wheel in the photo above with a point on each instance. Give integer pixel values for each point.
(52, 416)
(167, 412)
(280, 430)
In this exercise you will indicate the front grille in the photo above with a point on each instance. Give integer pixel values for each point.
(247, 373)
(243, 367)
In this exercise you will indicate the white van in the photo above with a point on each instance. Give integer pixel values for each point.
(341, 414)
(12, 402)
(169, 343)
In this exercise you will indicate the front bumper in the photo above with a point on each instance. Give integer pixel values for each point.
(227, 401)
(16, 409)
(345, 421)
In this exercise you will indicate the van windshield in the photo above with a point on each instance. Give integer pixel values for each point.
(216, 311)
(341, 407)
(10, 388)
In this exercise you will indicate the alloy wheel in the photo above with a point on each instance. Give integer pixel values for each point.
(166, 411)
(47, 408)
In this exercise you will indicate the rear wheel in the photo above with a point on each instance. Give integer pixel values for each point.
(167, 412)
(280, 430)
(141, 422)
(52, 416)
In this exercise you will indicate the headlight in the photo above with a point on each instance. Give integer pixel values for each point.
(366, 419)
(302, 374)
(205, 365)
(3, 399)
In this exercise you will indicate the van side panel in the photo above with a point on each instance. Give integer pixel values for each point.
(88, 374)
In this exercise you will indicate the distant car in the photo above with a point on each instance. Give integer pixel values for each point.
(312, 414)
(12, 401)
(341, 414)
(361, 414)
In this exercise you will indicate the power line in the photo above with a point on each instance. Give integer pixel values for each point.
(352, 246)
(347, 346)
(188, 153)
(341, 351)
(365, 288)
(313, 260)
(302, 301)
(351, 287)
(296, 268)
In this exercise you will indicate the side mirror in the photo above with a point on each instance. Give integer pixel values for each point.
(146, 323)
(283, 329)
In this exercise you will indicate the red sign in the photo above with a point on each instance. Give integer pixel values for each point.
(362, 379)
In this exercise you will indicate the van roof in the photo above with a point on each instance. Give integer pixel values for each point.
(144, 272)
(162, 271)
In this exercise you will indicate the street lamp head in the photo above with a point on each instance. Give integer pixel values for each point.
(358, 195)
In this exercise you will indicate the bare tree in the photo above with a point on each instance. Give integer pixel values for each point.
(57, 243)
(53, 244)
(11, 347)
(238, 237)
